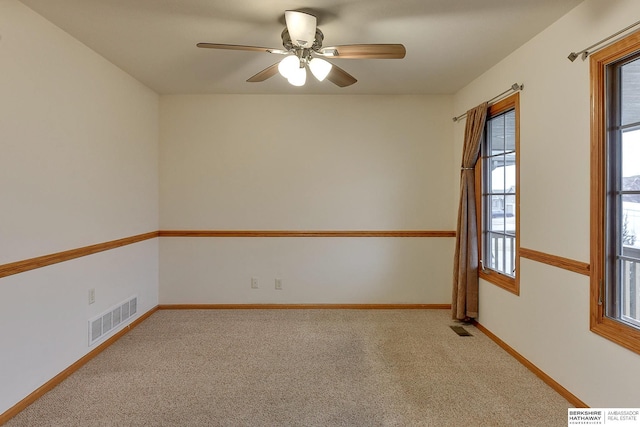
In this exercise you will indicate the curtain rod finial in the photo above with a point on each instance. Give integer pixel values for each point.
(572, 56)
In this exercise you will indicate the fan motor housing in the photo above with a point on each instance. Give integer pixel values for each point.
(288, 44)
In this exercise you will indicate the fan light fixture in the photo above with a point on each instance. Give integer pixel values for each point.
(302, 27)
(320, 68)
(288, 66)
(298, 77)
(293, 69)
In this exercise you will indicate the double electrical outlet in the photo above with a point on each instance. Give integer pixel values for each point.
(254, 283)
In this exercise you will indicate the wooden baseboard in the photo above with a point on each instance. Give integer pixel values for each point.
(43, 389)
(533, 368)
(304, 306)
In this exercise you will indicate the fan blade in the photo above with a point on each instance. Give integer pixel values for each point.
(263, 75)
(238, 47)
(365, 51)
(301, 27)
(340, 77)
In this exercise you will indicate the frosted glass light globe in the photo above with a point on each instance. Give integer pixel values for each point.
(298, 77)
(320, 68)
(288, 66)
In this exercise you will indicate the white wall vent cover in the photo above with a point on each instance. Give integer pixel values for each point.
(101, 325)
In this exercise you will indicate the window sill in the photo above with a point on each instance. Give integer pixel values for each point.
(505, 282)
(621, 334)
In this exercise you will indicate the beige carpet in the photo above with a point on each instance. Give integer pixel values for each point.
(299, 368)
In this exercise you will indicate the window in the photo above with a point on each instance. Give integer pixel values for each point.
(497, 182)
(615, 193)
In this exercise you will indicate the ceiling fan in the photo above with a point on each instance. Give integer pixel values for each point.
(302, 41)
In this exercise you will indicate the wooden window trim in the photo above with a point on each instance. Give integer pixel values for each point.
(600, 324)
(511, 284)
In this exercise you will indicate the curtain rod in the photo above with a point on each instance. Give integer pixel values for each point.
(514, 87)
(586, 51)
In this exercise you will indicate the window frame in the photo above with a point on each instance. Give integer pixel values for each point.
(511, 284)
(601, 324)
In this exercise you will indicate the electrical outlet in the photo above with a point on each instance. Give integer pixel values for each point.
(279, 284)
(92, 295)
(254, 283)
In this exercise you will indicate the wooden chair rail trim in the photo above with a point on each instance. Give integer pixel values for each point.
(556, 261)
(43, 389)
(43, 261)
(304, 306)
(307, 233)
(570, 397)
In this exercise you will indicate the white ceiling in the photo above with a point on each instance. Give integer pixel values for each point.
(448, 42)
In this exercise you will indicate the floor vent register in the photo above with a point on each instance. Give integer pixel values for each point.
(101, 325)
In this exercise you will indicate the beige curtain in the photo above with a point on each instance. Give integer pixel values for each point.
(464, 304)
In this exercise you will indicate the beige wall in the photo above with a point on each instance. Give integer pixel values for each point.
(306, 163)
(549, 322)
(78, 166)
